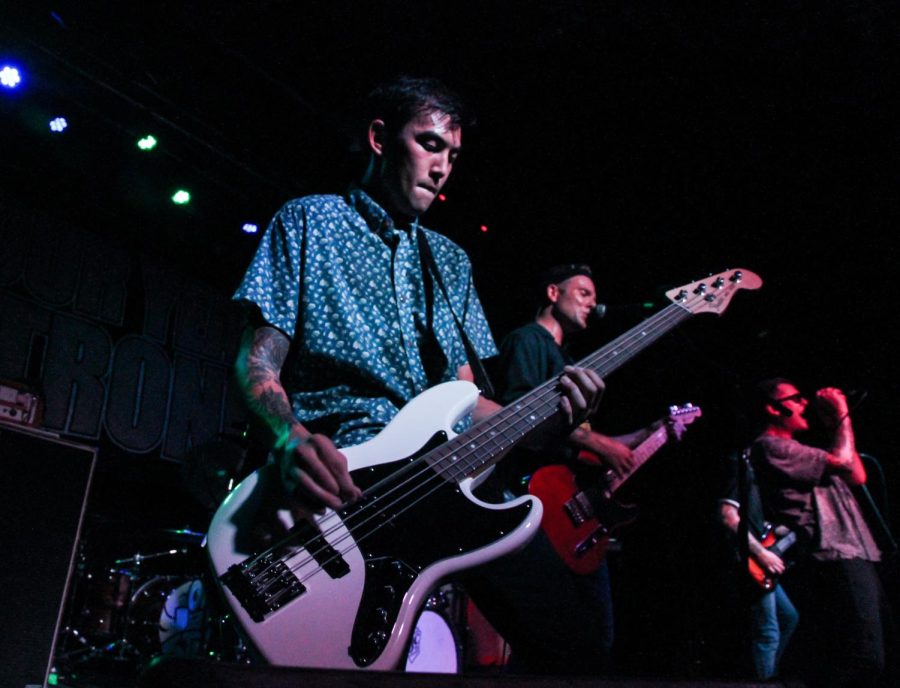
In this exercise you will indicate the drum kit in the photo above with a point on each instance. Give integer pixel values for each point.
(139, 596)
(159, 602)
(128, 611)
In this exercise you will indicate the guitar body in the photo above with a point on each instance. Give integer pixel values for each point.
(345, 593)
(580, 507)
(763, 579)
(342, 590)
(582, 546)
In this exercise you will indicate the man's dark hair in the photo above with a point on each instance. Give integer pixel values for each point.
(556, 275)
(404, 97)
(763, 393)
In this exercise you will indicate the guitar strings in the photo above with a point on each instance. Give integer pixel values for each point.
(540, 399)
(537, 396)
(620, 350)
(608, 351)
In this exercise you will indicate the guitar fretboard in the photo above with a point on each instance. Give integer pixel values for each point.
(486, 442)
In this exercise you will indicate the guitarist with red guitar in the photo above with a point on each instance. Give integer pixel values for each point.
(773, 617)
(575, 600)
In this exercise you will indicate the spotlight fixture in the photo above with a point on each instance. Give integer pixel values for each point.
(250, 228)
(181, 197)
(58, 125)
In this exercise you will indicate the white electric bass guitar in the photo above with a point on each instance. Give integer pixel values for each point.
(343, 590)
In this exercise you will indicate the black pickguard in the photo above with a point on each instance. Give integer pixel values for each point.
(417, 526)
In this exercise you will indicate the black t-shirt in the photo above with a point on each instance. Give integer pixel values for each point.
(742, 490)
(529, 356)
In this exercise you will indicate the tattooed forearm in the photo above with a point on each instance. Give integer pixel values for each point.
(265, 356)
(259, 369)
(273, 405)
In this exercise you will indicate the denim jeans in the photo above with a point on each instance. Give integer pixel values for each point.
(774, 620)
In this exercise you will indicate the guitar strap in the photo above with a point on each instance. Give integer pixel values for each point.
(743, 489)
(431, 275)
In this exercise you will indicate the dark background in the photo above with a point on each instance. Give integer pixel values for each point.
(655, 141)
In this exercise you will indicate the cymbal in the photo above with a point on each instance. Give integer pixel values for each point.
(182, 535)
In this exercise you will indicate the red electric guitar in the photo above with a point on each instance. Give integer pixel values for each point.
(342, 589)
(578, 521)
(779, 546)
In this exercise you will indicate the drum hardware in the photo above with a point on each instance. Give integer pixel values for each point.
(148, 604)
(434, 645)
(167, 617)
(226, 644)
(138, 559)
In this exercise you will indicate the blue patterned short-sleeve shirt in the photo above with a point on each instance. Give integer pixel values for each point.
(335, 275)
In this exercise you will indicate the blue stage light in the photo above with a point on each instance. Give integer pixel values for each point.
(10, 77)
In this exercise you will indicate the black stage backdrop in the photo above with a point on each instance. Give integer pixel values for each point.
(658, 144)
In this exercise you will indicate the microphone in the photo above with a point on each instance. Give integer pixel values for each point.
(597, 313)
(602, 310)
(860, 396)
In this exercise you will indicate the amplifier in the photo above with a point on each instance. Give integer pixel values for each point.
(43, 499)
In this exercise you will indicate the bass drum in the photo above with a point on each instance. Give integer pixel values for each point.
(104, 607)
(433, 647)
(168, 618)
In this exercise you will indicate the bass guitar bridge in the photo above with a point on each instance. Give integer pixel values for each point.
(262, 586)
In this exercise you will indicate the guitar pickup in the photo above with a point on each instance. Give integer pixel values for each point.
(579, 508)
(263, 586)
(320, 550)
(327, 557)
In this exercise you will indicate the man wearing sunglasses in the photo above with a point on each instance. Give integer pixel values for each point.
(838, 591)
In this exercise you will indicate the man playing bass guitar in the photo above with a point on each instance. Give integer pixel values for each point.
(355, 309)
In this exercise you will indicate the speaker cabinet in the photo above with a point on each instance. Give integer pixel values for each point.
(45, 484)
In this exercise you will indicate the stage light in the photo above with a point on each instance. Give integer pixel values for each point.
(250, 228)
(147, 143)
(484, 228)
(58, 125)
(442, 197)
(181, 197)
(10, 77)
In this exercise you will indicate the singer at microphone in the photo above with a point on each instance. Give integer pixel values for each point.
(808, 489)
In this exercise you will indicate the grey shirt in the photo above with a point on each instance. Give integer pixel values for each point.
(800, 492)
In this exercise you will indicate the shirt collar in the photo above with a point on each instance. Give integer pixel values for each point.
(376, 217)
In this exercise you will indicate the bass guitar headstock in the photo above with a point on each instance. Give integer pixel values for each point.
(713, 294)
